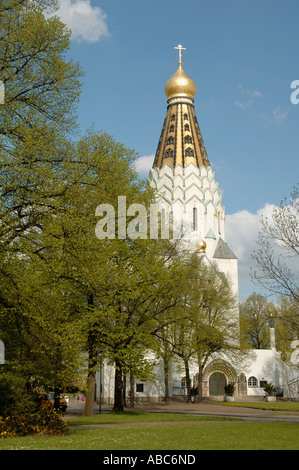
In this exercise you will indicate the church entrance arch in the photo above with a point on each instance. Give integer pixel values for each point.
(216, 375)
(217, 383)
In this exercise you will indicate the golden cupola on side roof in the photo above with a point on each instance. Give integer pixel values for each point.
(180, 85)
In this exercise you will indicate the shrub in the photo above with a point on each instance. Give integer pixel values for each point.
(47, 421)
(229, 389)
(269, 389)
(15, 397)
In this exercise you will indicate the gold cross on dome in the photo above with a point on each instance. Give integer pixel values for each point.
(180, 49)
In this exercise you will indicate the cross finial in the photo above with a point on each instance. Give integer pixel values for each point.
(180, 48)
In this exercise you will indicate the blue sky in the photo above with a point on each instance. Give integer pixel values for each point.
(242, 56)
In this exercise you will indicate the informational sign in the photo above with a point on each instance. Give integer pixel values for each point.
(2, 352)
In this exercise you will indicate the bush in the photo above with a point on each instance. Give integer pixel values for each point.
(47, 421)
(269, 389)
(229, 389)
(15, 397)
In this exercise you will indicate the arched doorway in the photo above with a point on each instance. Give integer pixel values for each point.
(217, 383)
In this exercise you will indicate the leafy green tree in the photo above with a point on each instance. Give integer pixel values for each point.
(254, 321)
(205, 319)
(286, 324)
(41, 92)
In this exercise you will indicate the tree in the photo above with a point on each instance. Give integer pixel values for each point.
(254, 321)
(286, 325)
(41, 93)
(214, 317)
(277, 256)
(36, 120)
(205, 319)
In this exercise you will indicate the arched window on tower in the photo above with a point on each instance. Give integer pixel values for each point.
(186, 117)
(188, 139)
(173, 117)
(194, 219)
(170, 140)
(171, 129)
(187, 127)
(168, 153)
(189, 152)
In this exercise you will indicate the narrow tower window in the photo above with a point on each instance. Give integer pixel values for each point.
(173, 117)
(194, 222)
(187, 127)
(186, 117)
(171, 129)
(189, 152)
(188, 139)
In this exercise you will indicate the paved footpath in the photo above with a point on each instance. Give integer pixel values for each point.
(200, 409)
(210, 409)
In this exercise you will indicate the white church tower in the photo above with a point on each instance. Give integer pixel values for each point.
(185, 181)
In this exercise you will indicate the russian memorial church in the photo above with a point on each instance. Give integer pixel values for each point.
(187, 190)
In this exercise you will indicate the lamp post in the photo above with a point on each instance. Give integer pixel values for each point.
(272, 332)
(2, 353)
(2, 92)
(101, 385)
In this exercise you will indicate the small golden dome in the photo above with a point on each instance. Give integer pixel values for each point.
(180, 85)
(200, 246)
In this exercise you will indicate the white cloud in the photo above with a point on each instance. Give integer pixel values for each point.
(255, 93)
(276, 117)
(144, 164)
(243, 104)
(242, 229)
(247, 103)
(87, 22)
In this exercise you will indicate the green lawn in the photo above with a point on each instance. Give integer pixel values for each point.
(199, 433)
(139, 417)
(263, 405)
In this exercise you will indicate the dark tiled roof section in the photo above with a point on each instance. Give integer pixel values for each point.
(223, 251)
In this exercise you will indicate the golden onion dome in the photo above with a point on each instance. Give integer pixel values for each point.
(180, 85)
(200, 246)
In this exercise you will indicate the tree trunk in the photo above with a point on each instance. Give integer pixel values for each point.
(57, 398)
(92, 363)
(89, 395)
(166, 379)
(132, 391)
(200, 375)
(124, 387)
(118, 388)
(188, 380)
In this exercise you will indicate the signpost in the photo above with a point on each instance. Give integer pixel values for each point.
(2, 92)
(2, 353)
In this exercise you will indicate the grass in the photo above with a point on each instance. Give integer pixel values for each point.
(199, 433)
(272, 406)
(138, 417)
